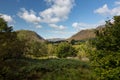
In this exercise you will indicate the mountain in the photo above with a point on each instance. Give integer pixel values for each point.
(83, 35)
(55, 39)
(29, 35)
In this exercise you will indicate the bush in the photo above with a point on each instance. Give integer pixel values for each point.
(36, 49)
(51, 49)
(64, 50)
(105, 59)
(57, 69)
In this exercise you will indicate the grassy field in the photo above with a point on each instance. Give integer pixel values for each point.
(54, 69)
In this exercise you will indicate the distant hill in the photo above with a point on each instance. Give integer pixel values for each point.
(29, 35)
(55, 39)
(83, 35)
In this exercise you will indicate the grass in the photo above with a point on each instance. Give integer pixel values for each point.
(55, 69)
(48, 69)
(53, 64)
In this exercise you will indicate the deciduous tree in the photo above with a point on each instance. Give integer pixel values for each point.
(106, 58)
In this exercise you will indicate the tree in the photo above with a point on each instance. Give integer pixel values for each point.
(36, 49)
(51, 49)
(65, 50)
(3, 26)
(10, 48)
(72, 41)
(106, 58)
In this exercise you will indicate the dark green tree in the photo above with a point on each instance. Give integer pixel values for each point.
(72, 41)
(65, 50)
(3, 26)
(10, 50)
(106, 58)
(10, 46)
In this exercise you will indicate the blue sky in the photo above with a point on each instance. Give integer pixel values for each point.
(58, 18)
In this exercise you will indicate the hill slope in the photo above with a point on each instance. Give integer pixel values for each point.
(29, 35)
(83, 35)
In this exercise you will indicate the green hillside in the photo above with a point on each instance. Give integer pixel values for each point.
(29, 36)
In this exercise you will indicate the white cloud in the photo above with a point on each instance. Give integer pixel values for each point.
(115, 11)
(63, 32)
(117, 2)
(7, 18)
(82, 26)
(58, 11)
(75, 24)
(38, 26)
(29, 16)
(60, 34)
(61, 27)
(104, 10)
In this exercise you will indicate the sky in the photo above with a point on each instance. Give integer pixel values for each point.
(58, 18)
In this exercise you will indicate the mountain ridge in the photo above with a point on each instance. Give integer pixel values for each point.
(29, 35)
(83, 35)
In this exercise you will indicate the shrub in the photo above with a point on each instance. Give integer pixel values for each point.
(105, 59)
(64, 50)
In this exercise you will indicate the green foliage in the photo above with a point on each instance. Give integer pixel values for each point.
(108, 38)
(65, 50)
(29, 36)
(51, 49)
(10, 48)
(56, 69)
(83, 50)
(47, 69)
(4, 27)
(105, 59)
(35, 44)
(72, 41)
(36, 49)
